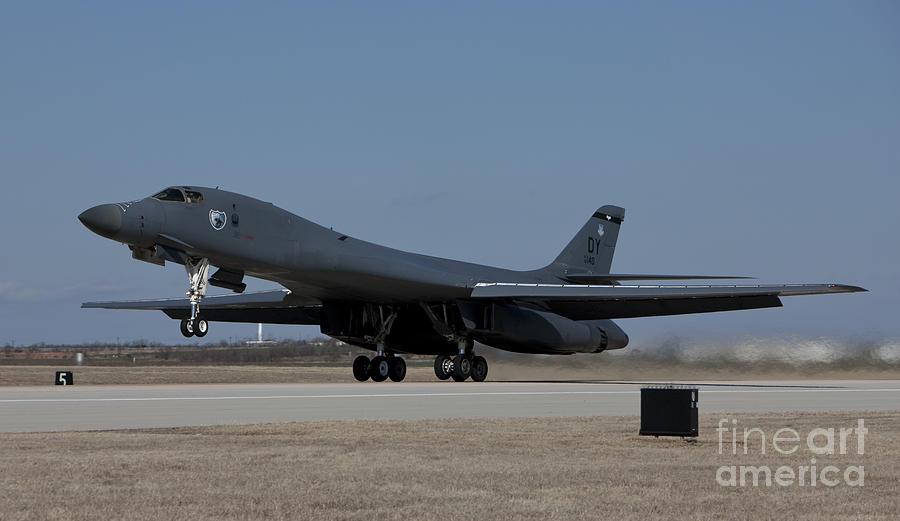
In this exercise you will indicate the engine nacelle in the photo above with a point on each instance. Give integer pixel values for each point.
(526, 330)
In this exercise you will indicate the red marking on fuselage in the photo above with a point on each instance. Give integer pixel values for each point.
(248, 236)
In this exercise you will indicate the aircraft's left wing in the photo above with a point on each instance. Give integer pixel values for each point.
(269, 307)
(586, 302)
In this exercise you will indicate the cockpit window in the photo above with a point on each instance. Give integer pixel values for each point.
(170, 194)
(193, 197)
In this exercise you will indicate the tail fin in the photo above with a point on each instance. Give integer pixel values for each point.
(592, 248)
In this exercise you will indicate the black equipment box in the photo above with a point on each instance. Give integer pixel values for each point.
(64, 378)
(669, 411)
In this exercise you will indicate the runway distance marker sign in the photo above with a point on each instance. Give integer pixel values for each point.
(64, 378)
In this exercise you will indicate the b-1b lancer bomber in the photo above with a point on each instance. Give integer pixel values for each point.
(393, 302)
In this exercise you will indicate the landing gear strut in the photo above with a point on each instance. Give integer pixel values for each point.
(463, 366)
(198, 275)
(385, 364)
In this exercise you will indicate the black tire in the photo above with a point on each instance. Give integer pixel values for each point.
(397, 368)
(379, 369)
(201, 327)
(479, 369)
(186, 328)
(361, 368)
(443, 367)
(462, 367)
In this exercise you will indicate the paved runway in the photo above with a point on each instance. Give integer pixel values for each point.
(58, 408)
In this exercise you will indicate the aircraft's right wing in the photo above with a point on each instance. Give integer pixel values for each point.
(268, 307)
(586, 302)
(605, 278)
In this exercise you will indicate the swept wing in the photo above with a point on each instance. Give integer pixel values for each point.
(586, 302)
(271, 307)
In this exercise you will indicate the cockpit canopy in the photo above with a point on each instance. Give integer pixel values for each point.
(179, 195)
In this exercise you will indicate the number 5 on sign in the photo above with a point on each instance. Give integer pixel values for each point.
(64, 378)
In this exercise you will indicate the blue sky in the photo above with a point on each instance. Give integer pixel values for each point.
(760, 140)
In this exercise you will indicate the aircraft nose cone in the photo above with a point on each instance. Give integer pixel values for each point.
(105, 220)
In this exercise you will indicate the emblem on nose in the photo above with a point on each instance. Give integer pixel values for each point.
(105, 220)
(217, 219)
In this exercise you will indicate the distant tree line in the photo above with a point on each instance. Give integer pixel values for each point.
(141, 352)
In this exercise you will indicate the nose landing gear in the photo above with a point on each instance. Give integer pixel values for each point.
(198, 327)
(198, 275)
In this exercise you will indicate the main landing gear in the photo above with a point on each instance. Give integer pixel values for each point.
(385, 364)
(463, 366)
(198, 275)
(379, 368)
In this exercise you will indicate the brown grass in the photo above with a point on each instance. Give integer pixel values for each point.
(539, 369)
(572, 468)
(100, 375)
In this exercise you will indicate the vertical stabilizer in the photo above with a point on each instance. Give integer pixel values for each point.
(591, 250)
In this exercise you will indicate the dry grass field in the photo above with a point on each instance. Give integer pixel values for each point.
(502, 370)
(185, 374)
(573, 468)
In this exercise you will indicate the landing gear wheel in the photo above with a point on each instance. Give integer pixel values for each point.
(379, 369)
(201, 327)
(462, 367)
(479, 369)
(187, 329)
(443, 366)
(397, 368)
(361, 368)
